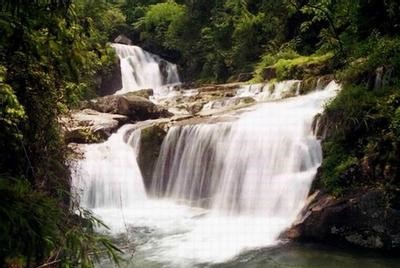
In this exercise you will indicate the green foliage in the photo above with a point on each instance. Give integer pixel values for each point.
(11, 111)
(35, 227)
(50, 55)
(163, 22)
(285, 67)
(210, 38)
(395, 124)
(288, 64)
(362, 145)
(336, 163)
(374, 52)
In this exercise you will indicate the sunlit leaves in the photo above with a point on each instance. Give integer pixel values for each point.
(11, 111)
(164, 22)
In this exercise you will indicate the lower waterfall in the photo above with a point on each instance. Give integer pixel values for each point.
(109, 176)
(218, 189)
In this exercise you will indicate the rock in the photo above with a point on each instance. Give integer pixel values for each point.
(150, 145)
(308, 85)
(324, 80)
(195, 107)
(89, 126)
(144, 93)
(361, 220)
(231, 87)
(269, 73)
(313, 83)
(122, 39)
(135, 107)
(244, 77)
(111, 82)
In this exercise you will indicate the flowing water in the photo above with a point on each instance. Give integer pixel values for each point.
(142, 70)
(221, 193)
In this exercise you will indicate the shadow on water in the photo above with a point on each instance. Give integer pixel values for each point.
(291, 255)
(294, 255)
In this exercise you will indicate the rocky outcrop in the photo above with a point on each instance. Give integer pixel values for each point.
(269, 73)
(144, 93)
(362, 220)
(122, 39)
(244, 77)
(89, 126)
(231, 87)
(318, 82)
(192, 101)
(150, 145)
(135, 107)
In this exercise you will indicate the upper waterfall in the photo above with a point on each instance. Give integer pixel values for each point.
(141, 69)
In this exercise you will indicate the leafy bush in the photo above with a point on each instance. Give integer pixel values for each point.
(34, 227)
(164, 23)
(287, 62)
(50, 55)
(367, 56)
(362, 145)
(285, 68)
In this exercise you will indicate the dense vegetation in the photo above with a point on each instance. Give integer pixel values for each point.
(52, 54)
(358, 41)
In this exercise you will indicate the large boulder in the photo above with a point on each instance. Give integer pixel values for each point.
(150, 145)
(363, 220)
(135, 107)
(89, 126)
(122, 39)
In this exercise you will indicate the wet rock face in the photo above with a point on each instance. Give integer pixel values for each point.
(112, 82)
(135, 107)
(150, 145)
(362, 220)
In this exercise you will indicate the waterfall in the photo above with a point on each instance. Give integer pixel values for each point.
(261, 164)
(218, 189)
(252, 175)
(141, 69)
(108, 176)
(187, 164)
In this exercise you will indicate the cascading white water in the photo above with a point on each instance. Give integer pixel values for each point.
(218, 189)
(262, 164)
(259, 92)
(268, 92)
(189, 161)
(108, 176)
(141, 69)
